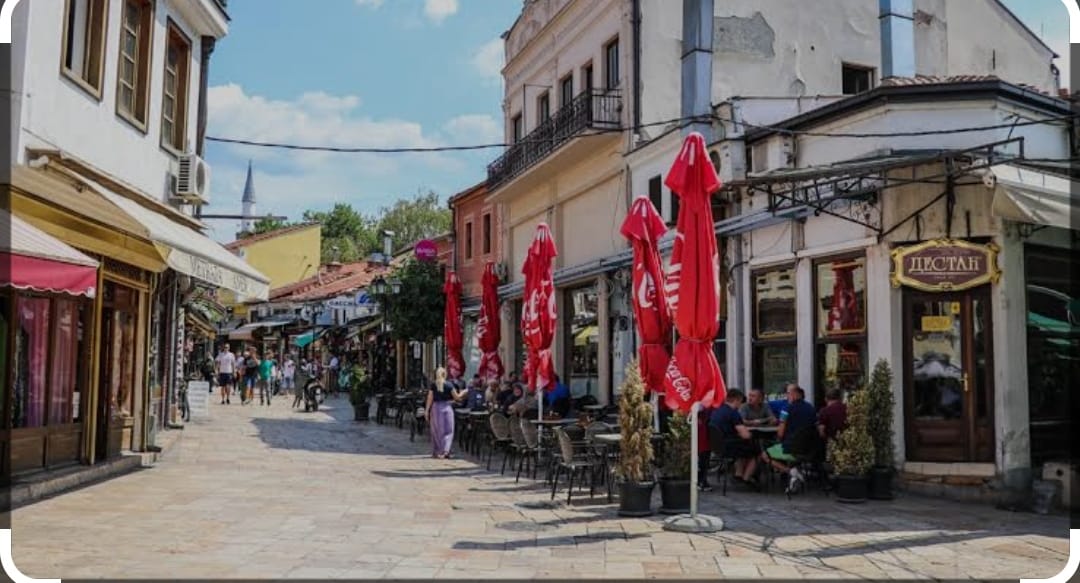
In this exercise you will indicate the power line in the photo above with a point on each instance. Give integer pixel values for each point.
(603, 131)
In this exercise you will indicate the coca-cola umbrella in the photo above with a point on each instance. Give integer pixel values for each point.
(643, 227)
(455, 363)
(693, 378)
(693, 374)
(487, 329)
(538, 313)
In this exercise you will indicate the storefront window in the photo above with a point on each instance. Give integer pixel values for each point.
(775, 351)
(31, 363)
(5, 329)
(1053, 345)
(583, 376)
(840, 304)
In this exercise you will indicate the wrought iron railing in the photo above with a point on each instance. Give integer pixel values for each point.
(592, 109)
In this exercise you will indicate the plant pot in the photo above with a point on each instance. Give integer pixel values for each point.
(675, 496)
(635, 498)
(362, 412)
(851, 489)
(881, 483)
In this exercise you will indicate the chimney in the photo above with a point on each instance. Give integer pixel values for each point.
(697, 51)
(897, 38)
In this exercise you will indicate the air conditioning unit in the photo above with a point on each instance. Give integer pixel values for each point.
(192, 180)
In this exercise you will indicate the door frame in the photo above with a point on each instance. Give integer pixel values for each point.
(971, 425)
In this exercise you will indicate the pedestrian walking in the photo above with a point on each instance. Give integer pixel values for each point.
(225, 366)
(305, 376)
(288, 373)
(208, 373)
(332, 381)
(266, 377)
(251, 375)
(440, 414)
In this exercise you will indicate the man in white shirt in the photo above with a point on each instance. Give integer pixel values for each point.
(333, 376)
(288, 372)
(225, 367)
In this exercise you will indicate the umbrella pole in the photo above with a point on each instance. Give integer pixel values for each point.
(694, 522)
(693, 462)
(655, 398)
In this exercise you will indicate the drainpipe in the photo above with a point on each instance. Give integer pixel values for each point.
(208, 43)
(636, 27)
(897, 38)
(697, 66)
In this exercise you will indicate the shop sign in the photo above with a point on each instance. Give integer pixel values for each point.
(945, 265)
(425, 250)
(936, 324)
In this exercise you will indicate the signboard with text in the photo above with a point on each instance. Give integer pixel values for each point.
(425, 250)
(199, 399)
(945, 265)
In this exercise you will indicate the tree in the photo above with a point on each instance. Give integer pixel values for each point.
(416, 312)
(265, 225)
(421, 217)
(353, 233)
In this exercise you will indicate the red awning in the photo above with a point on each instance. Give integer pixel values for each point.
(40, 262)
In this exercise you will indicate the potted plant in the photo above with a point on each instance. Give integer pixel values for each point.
(675, 469)
(880, 425)
(360, 391)
(851, 452)
(635, 461)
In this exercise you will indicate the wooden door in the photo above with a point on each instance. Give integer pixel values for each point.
(948, 376)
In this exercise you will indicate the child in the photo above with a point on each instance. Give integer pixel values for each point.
(704, 452)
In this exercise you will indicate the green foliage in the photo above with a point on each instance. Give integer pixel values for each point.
(416, 313)
(635, 423)
(360, 386)
(265, 225)
(356, 235)
(851, 452)
(677, 454)
(421, 217)
(881, 403)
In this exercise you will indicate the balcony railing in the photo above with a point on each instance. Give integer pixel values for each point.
(590, 110)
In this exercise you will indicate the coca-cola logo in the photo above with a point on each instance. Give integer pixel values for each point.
(679, 381)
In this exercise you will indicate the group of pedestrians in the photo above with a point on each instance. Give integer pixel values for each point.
(243, 372)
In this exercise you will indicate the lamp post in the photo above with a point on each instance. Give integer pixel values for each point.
(383, 289)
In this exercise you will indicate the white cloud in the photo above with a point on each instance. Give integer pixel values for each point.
(488, 59)
(474, 128)
(369, 3)
(439, 10)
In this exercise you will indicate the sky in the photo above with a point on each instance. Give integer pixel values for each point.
(378, 73)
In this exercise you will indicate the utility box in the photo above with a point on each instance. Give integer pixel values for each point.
(1067, 475)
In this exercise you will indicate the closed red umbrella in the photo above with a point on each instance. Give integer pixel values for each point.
(487, 329)
(643, 227)
(455, 363)
(693, 374)
(538, 314)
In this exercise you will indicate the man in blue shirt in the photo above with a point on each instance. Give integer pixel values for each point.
(557, 401)
(797, 417)
(738, 443)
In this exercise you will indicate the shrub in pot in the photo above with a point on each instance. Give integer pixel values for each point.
(851, 452)
(880, 426)
(635, 460)
(360, 391)
(675, 468)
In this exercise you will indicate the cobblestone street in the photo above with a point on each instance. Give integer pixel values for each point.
(272, 492)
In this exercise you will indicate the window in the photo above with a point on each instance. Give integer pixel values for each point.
(84, 42)
(485, 233)
(566, 90)
(175, 90)
(468, 240)
(656, 193)
(856, 79)
(673, 215)
(133, 77)
(611, 64)
(840, 316)
(586, 78)
(543, 108)
(583, 366)
(775, 349)
(516, 128)
(46, 361)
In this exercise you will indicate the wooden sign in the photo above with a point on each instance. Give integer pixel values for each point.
(945, 265)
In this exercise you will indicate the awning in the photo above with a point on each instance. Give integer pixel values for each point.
(43, 263)
(192, 253)
(303, 339)
(1027, 195)
(246, 331)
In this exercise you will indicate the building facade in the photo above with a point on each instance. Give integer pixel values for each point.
(130, 74)
(476, 243)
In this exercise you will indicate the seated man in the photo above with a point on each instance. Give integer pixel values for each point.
(798, 416)
(756, 412)
(832, 418)
(557, 401)
(738, 443)
(475, 398)
(508, 396)
(524, 406)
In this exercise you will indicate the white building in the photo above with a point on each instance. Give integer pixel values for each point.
(108, 111)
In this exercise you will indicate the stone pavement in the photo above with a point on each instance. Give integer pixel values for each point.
(259, 492)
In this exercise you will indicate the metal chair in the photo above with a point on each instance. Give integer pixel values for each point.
(518, 445)
(500, 437)
(532, 447)
(574, 458)
(727, 461)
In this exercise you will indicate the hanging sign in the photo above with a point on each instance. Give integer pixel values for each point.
(945, 265)
(425, 250)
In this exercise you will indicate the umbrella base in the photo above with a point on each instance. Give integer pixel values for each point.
(702, 523)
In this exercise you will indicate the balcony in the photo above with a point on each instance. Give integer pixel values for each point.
(591, 110)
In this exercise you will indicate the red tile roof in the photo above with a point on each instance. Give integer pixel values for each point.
(331, 281)
(234, 245)
(940, 80)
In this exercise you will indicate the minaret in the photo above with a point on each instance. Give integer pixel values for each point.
(247, 224)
